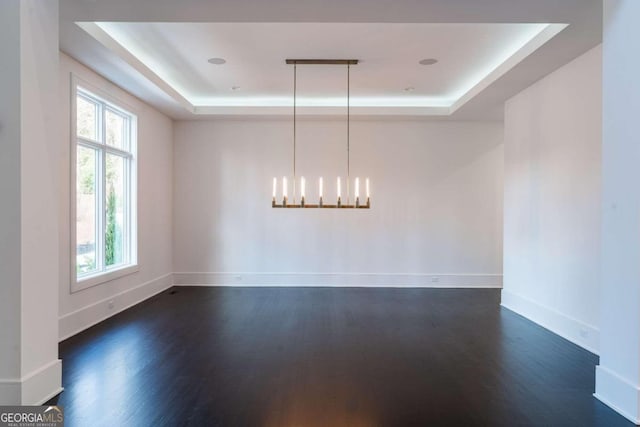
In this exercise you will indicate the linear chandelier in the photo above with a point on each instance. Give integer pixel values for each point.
(356, 204)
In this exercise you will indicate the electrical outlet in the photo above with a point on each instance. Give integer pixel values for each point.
(111, 304)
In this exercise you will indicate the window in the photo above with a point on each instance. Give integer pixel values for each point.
(105, 189)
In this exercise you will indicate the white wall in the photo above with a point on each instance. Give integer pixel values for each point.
(40, 124)
(436, 216)
(618, 375)
(552, 200)
(10, 237)
(155, 138)
(30, 371)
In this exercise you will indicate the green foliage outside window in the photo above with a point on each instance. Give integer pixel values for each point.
(110, 235)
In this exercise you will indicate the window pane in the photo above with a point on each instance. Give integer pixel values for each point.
(86, 231)
(86, 118)
(115, 198)
(115, 126)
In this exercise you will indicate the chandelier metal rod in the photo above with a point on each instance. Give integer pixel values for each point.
(323, 206)
(322, 61)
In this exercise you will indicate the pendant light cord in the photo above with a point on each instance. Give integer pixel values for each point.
(295, 86)
(348, 131)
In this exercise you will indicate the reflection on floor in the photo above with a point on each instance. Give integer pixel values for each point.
(327, 357)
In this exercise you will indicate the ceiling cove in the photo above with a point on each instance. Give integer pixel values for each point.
(406, 69)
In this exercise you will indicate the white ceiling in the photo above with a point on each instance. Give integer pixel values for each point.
(495, 48)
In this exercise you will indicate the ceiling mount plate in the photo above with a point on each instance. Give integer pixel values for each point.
(322, 61)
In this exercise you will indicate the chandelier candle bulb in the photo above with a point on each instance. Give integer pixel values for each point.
(320, 190)
(273, 198)
(366, 184)
(302, 188)
(339, 201)
(284, 190)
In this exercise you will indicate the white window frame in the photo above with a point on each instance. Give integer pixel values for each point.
(107, 102)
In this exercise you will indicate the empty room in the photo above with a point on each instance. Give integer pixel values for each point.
(319, 213)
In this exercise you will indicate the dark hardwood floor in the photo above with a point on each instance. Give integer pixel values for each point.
(326, 357)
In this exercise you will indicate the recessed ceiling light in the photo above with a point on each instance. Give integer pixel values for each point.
(409, 89)
(428, 61)
(216, 61)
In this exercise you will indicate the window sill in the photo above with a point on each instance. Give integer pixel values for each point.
(107, 276)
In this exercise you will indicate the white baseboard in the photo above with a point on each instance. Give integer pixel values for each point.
(579, 333)
(79, 320)
(34, 388)
(339, 280)
(618, 394)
